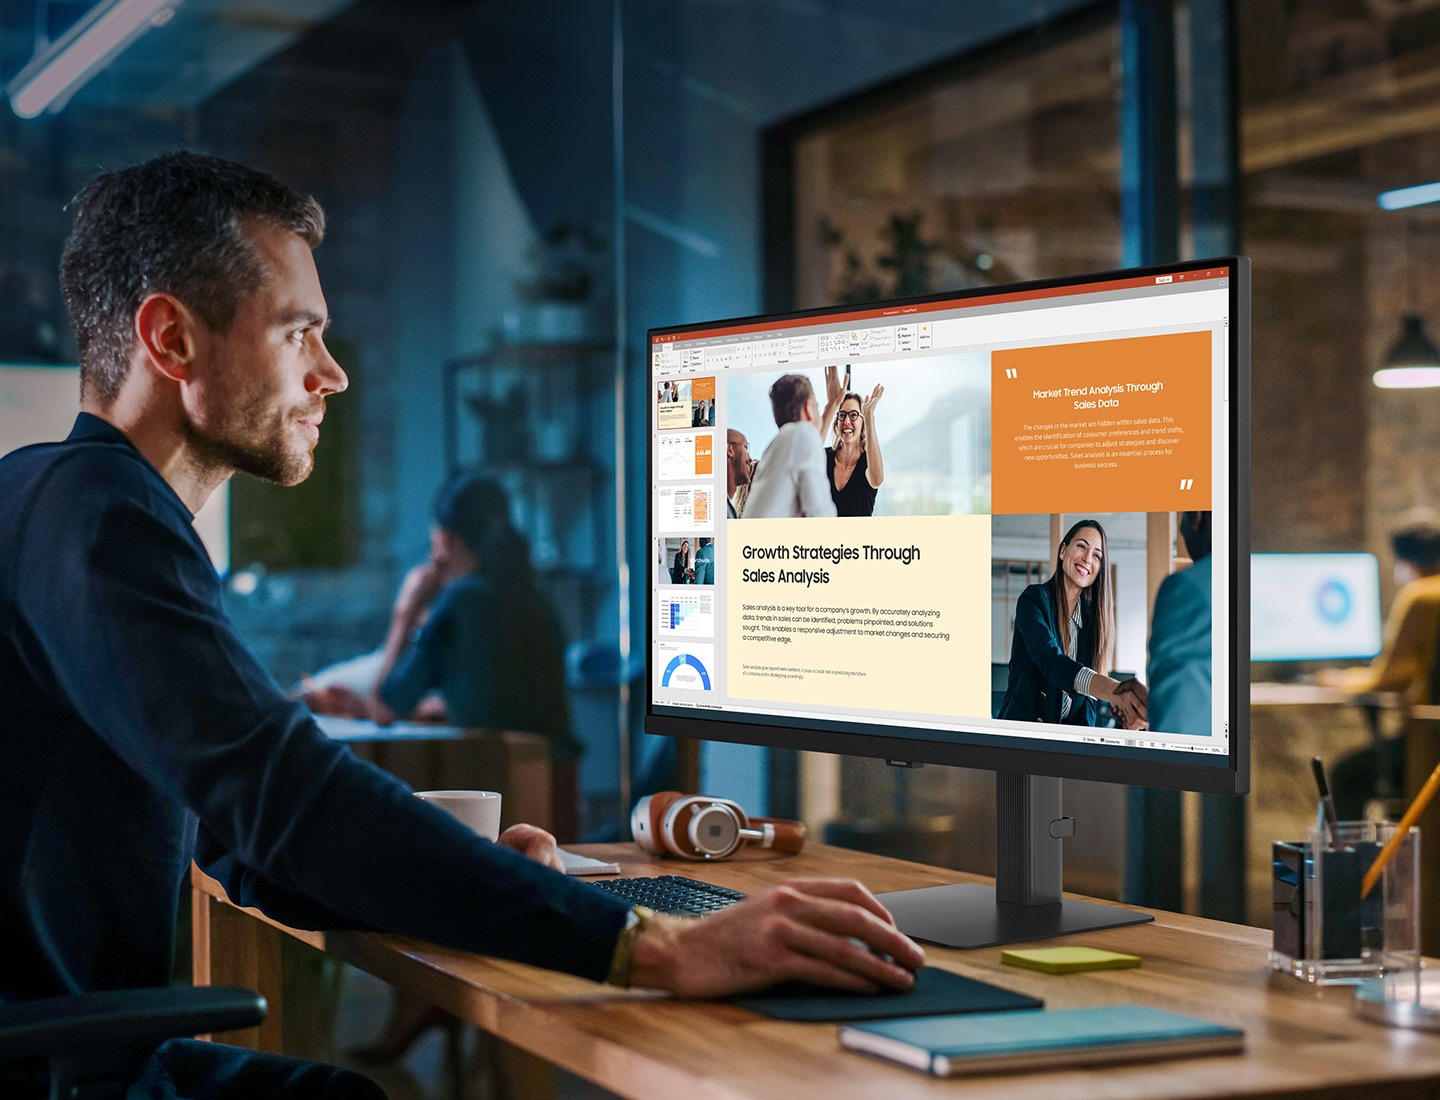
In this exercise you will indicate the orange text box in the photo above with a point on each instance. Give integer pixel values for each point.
(702, 389)
(1103, 426)
(704, 447)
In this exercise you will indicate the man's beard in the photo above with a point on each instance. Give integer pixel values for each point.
(255, 447)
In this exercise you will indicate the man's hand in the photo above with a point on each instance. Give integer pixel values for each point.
(814, 930)
(1131, 698)
(834, 391)
(535, 842)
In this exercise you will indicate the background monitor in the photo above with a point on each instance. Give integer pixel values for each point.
(869, 619)
(1314, 607)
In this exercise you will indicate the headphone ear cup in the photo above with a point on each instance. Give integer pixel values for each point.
(674, 820)
(789, 835)
(647, 821)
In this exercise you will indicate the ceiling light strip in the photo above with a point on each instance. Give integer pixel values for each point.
(82, 51)
(1405, 197)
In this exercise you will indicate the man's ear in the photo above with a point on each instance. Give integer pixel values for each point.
(165, 329)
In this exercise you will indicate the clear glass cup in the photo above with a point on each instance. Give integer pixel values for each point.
(1345, 938)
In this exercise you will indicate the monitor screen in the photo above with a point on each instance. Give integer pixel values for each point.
(939, 530)
(1314, 607)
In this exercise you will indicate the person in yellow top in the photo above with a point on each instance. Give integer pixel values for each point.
(1407, 663)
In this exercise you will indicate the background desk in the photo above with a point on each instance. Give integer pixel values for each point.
(1302, 1041)
(433, 757)
(1289, 724)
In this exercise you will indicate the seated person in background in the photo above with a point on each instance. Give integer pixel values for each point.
(790, 480)
(472, 624)
(1406, 663)
(141, 733)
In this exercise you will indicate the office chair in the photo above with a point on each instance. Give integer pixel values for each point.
(96, 1043)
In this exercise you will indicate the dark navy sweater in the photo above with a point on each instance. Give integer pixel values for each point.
(137, 732)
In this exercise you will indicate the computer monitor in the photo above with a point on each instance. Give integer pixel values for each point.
(856, 590)
(1314, 607)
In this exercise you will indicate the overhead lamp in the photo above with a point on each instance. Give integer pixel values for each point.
(1404, 197)
(1414, 361)
(82, 51)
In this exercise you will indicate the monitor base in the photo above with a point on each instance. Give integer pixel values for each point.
(968, 916)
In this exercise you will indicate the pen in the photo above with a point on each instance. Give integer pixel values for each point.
(1318, 767)
(1392, 845)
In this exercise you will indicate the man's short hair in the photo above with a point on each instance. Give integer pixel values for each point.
(174, 224)
(1417, 539)
(788, 398)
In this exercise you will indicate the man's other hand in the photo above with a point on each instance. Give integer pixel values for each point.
(1134, 698)
(831, 932)
(535, 842)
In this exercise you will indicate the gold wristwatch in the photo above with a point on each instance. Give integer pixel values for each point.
(623, 961)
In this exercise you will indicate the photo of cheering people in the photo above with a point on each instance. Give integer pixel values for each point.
(898, 438)
(1072, 621)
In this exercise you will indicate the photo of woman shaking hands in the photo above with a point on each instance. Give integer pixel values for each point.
(1065, 637)
(853, 464)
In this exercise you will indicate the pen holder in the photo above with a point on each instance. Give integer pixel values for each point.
(1324, 931)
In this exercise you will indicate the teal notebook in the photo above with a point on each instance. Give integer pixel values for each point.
(991, 1042)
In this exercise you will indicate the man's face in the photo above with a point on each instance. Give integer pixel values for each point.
(737, 453)
(258, 390)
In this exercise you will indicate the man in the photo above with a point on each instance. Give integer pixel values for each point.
(737, 468)
(1180, 644)
(705, 562)
(1407, 664)
(790, 481)
(141, 733)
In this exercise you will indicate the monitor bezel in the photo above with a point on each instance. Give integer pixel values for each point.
(1234, 779)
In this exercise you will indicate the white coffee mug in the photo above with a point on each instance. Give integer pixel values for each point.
(478, 809)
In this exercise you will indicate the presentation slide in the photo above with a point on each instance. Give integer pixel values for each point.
(878, 616)
(687, 615)
(685, 456)
(686, 403)
(687, 509)
(686, 666)
(1103, 425)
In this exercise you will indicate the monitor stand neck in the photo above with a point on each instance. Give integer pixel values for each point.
(1026, 902)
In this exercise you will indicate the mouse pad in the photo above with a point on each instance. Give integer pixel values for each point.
(936, 993)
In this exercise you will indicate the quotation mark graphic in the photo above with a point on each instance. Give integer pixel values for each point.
(1012, 372)
(1187, 483)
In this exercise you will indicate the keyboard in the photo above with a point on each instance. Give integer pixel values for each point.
(671, 894)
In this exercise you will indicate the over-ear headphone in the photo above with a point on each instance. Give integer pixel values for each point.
(695, 826)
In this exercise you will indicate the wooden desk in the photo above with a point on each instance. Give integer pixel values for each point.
(1301, 1041)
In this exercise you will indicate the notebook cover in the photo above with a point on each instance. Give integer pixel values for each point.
(936, 991)
(1069, 960)
(946, 1044)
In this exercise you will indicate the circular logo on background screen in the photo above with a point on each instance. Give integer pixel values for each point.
(1333, 602)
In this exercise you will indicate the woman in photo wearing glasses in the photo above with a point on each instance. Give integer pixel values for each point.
(853, 460)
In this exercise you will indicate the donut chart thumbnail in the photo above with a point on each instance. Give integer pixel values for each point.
(686, 671)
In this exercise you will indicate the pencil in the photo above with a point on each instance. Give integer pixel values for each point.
(1412, 815)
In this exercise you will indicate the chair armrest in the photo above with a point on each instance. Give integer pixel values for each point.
(122, 1018)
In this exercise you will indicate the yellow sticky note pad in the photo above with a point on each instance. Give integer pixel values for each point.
(1069, 960)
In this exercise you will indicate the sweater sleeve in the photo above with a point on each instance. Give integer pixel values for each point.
(127, 612)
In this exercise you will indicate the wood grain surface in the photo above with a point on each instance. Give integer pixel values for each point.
(1300, 1040)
